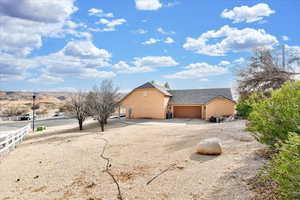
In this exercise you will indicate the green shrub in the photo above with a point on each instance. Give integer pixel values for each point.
(243, 109)
(273, 118)
(284, 168)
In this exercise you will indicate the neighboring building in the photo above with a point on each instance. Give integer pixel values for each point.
(154, 101)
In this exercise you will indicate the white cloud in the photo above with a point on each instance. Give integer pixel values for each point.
(123, 68)
(145, 64)
(46, 79)
(24, 23)
(224, 63)
(198, 70)
(239, 61)
(169, 40)
(248, 14)
(155, 61)
(140, 31)
(46, 11)
(85, 49)
(162, 31)
(285, 38)
(232, 40)
(109, 25)
(78, 59)
(151, 41)
(14, 68)
(148, 4)
(172, 4)
(99, 13)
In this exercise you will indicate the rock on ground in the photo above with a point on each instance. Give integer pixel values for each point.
(211, 146)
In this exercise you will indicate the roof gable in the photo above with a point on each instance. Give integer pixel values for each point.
(149, 85)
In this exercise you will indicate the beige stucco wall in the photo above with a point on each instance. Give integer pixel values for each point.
(146, 103)
(219, 107)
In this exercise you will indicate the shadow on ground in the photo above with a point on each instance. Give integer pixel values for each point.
(70, 133)
(202, 158)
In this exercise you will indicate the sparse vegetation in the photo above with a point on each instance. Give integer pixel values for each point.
(263, 74)
(78, 107)
(274, 117)
(102, 102)
(284, 168)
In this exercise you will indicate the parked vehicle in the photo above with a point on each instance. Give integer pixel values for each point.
(58, 114)
(26, 117)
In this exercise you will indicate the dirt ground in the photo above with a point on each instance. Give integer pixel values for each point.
(63, 163)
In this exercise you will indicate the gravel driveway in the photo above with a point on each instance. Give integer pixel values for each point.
(64, 163)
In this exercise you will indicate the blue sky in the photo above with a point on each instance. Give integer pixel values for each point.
(56, 45)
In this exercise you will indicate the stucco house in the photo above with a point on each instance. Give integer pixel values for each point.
(154, 101)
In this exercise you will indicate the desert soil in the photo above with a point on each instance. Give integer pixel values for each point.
(63, 163)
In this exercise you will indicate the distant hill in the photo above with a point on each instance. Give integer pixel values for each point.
(42, 96)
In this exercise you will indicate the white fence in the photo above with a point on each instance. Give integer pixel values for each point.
(10, 139)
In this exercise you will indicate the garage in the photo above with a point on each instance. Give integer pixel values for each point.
(187, 111)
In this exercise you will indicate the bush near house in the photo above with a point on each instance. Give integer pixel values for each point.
(243, 109)
(275, 121)
(284, 168)
(273, 118)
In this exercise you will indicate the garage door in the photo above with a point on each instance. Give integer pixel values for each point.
(187, 111)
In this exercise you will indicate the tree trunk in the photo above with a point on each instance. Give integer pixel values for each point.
(80, 124)
(102, 126)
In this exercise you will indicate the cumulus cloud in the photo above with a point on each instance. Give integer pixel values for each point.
(172, 4)
(248, 14)
(85, 49)
(198, 70)
(24, 23)
(144, 64)
(155, 61)
(109, 24)
(148, 4)
(14, 68)
(169, 40)
(140, 31)
(49, 11)
(240, 60)
(151, 41)
(123, 68)
(99, 13)
(79, 59)
(232, 40)
(46, 79)
(164, 32)
(285, 38)
(224, 63)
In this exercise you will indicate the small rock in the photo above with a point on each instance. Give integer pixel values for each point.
(18, 180)
(36, 177)
(211, 146)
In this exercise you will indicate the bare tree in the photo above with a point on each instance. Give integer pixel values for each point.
(102, 101)
(77, 105)
(262, 74)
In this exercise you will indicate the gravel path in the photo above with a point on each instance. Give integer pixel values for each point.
(64, 163)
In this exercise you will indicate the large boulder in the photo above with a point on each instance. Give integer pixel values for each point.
(211, 146)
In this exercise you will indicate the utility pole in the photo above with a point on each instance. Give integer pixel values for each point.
(283, 57)
(33, 110)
